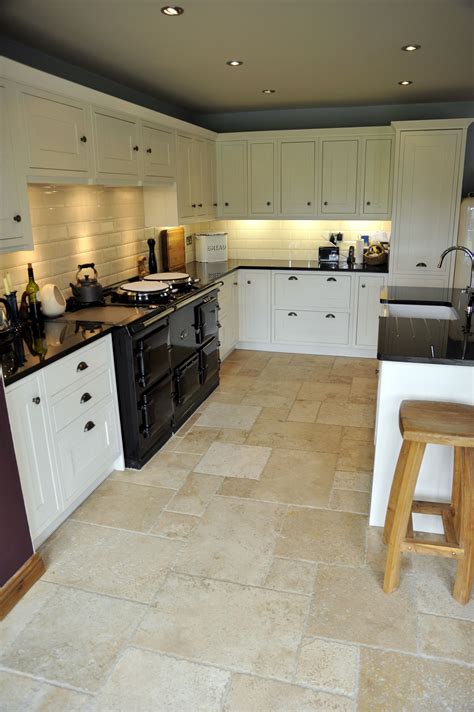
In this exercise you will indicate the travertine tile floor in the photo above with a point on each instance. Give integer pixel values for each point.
(237, 572)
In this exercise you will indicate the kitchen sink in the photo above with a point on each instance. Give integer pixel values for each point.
(421, 311)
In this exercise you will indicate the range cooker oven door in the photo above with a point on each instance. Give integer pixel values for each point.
(151, 356)
(187, 384)
(182, 335)
(206, 318)
(155, 416)
(210, 362)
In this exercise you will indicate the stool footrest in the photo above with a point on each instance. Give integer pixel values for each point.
(422, 507)
(432, 548)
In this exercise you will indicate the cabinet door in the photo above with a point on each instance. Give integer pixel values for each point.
(117, 144)
(427, 196)
(262, 178)
(297, 170)
(199, 176)
(58, 135)
(28, 419)
(159, 154)
(368, 309)
(377, 176)
(185, 179)
(15, 230)
(339, 178)
(254, 305)
(212, 179)
(232, 157)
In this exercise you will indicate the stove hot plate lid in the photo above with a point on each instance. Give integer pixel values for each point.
(143, 287)
(174, 277)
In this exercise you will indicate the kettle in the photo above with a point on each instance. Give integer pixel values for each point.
(87, 290)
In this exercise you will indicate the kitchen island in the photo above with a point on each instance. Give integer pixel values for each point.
(421, 357)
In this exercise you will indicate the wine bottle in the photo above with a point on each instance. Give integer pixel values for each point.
(33, 297)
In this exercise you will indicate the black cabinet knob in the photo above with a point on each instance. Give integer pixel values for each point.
(17, 218)
(135, 148)
(226, 204)
(214, 205)
(193, 205)
(249, 281)
(268, 202)
(148, 150)
(36, 400)
(84, 139)
(81, 366)
(325, 202)
(199, 205)
(309, 202)
(368, 202)
(363, 286)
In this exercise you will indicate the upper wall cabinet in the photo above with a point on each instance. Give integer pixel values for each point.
(159, 151)
(15, 229)
(58, 136)
(377, 192)
(339, 176)
(262, 178)
(196, 171)
(117, 144)
(298, 177)
(232, 178)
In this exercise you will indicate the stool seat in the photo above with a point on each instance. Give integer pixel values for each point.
(437, 423)
(423, 423)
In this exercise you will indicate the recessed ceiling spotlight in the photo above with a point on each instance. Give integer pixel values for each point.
(268, 91)
(411, 48)
(405, 82)
(234, 62)
(172, 10)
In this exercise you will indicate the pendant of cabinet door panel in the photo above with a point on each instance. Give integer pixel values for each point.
(331, 177)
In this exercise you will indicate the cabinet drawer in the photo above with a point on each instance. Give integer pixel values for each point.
(299, 290)
(77, 367)
(311, 327)
(86, 447)
(82, 400)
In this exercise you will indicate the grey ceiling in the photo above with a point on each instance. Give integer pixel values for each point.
(315, 53)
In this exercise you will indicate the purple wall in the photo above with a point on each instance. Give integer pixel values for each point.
(15, 541)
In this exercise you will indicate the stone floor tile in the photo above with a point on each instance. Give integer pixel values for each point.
(328, 665)
(234, 541)
(165, 469)
(363, 390)
(24, 694)
(143, 681)
(316, 362)
(350, 501)
(231, 460)
(124, 505)
(186, 427)
(376, 554)
(353, 480)
(197, 440)
(272, 393)
(434, 578)
(392, 681)
(361, 434)
(323, 391)
(24, 611)
(334, 413)
(74, 638)
(232, 435)
(119, 563)
(229, 368)
(296, 436)
(229, 397)
(356, 456)
(226, 624)
(304, 411)
(273, 414)
(174, 525)
(356, 367)
(221, 415)
(446, 638)
(350, 605)
(292, 576)
(195, 494)
(255, 694)
(323, 535)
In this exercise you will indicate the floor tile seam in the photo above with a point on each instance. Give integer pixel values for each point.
(237, 671)
(75, 587)
(397, 651)
(145, 484)
(147, 533)
(48, 681)
(27, 621)
(303, 633)
(343, 566)
(237, 583)
(352, 489)
(285, 504)
(276, 538)
(187, 540)
(442, 615)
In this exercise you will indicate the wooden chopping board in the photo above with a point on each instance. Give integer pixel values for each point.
(173, 250)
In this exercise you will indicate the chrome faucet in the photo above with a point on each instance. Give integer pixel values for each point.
(467, 252)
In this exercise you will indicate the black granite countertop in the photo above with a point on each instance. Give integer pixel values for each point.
(422, 340)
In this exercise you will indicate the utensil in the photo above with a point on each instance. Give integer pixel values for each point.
(86, 289)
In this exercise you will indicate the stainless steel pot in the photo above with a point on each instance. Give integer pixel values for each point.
(87, 289)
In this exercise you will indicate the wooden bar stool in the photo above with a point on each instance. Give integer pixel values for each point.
(423, 422)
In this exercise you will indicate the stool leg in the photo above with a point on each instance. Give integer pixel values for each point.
(456, 490)
(401, 499)
(465, 566)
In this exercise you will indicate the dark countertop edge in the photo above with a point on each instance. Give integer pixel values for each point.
(277, 265)
(56, 357)
(419, 302)
(424, 359)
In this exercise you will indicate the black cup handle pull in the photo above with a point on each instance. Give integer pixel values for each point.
(331, 279)
(81, 366)
(421, 264)
(330, 316)
(292, 314)
(89, 426)
(292, 278)
(85, 397)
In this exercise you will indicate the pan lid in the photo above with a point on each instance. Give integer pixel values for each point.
(168, 276)
(144, 287)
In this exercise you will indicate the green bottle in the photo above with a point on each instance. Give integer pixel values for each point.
(33, 297)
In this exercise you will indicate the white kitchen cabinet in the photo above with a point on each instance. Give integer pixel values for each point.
(232, 178)
(193, 177)
(228, 314)
(117, 143)
(159, 151)
(298, 177)
(254, 305)
(185, 177)
(307, 291)
(28, 414)
(368, 309)
(15, 228)
(262, 178)
(296, 326)
(339, 176)
(58, 135)
(211, 196)
(426, 201)
(66, 432)
(377, 185)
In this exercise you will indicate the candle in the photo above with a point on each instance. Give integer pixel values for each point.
(9, 282)
(5, 286)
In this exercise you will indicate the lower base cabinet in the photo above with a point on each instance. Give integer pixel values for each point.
(311, 327)
(368, 309)
(67, 441)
